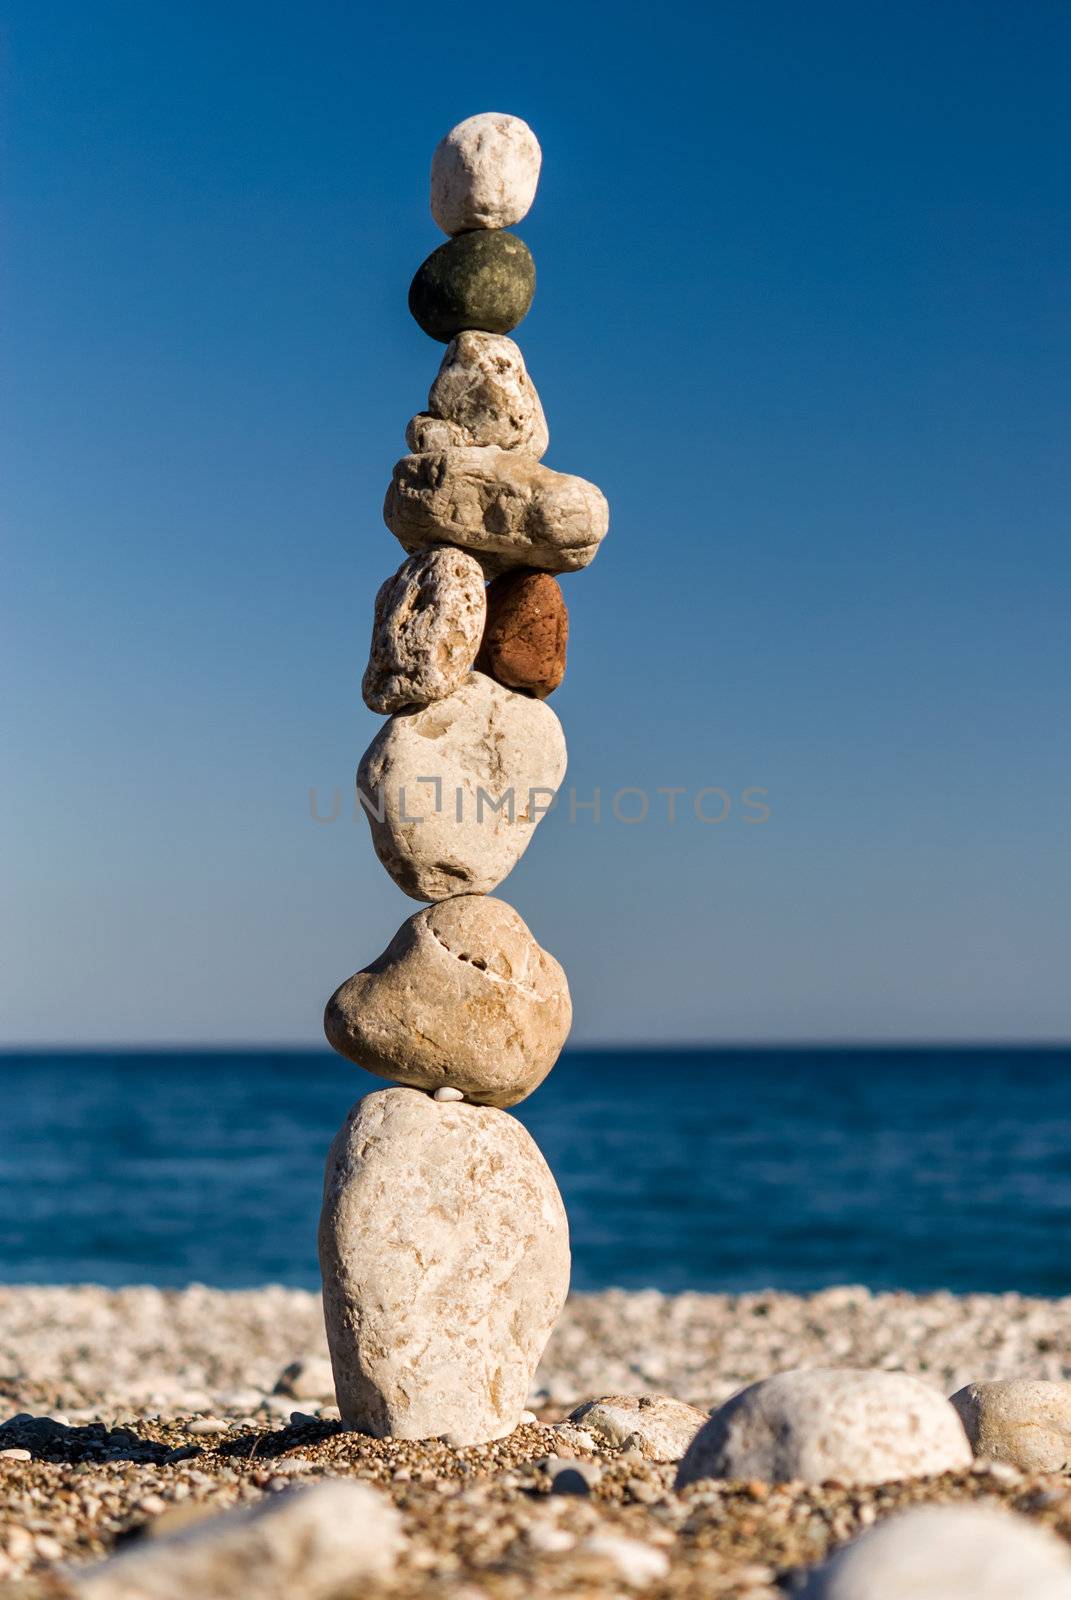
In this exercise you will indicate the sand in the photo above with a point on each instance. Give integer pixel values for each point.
(139, 1408)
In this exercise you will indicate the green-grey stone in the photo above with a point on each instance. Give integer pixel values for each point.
(483, 280)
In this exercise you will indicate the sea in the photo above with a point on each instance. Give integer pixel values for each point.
(722, 1169)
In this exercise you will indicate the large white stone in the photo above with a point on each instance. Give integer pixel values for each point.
(1021, 1420)
(955, 1552)
(810, 1426)
(312, 1542)
(484, 173)
(664, 1427)
(444, 1251)
(453, 792)
(429, 621)
(484, 391)
(506, 508)
(463, 998)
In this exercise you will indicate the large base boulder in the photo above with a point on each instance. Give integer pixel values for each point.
(444, 1250)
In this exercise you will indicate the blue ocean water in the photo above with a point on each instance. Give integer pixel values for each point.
(729, 1169)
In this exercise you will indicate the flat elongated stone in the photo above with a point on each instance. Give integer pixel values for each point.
(314, 1542)
(454, 791)
(444, 1250)
(526, 633)
(860, 1427)
(664, 1426)
(428, 623)
(507, 509)
(463, 998)
(483, 388)
(954, 1552)
(478, 280)
(1021, 1420)
(484, 173)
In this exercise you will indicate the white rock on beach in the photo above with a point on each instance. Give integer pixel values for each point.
(314, 1542)
(454, 792)
(810, 1426)
(429, 620)
(1024, 1421)
(484, 392)
(957, 1552)
(462, 1000)
(444, 1250)
(664, 1426)
(506, 508)
(484, 173)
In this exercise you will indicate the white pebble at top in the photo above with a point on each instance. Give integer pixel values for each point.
(446, 1093)
(484, 173)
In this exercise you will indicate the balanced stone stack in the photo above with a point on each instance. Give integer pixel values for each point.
(444, 1246)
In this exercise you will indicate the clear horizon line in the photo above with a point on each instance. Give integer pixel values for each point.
(631, 1047)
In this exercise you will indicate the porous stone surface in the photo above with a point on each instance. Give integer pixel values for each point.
(444, 1250)
(664, 1427)
(454, 791)
(506, 508)
(483, 388)
(478, 280)
(429, 619)
(947, 1553)
(526, 633)
(484, 173)
(1022, 1420)
(811, 1426)
(425, 432)
(463, 998)
(311, 1542)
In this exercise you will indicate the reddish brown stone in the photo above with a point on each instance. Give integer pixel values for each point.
(526, 632)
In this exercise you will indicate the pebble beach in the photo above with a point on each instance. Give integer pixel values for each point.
(133, 1413)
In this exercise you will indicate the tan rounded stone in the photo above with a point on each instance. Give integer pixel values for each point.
(810, 1426)
(454, 791)
(665, 1427)
(484, 173)
(526, 632)
(425, 432)
(428, 622)
(444, 1250)
(463, 998)
(1021, 1420)
(483, 389)
(506, 508)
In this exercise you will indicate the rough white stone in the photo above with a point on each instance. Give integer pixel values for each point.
(483, 392)
(429, 621)
(858, 1427)
(506, 508)
(665, 1427)
(444, 1250)
(484, 173)
(314, 1542)
(957, 1552)
(431, 779)
(1024, 1421)
(463, 996)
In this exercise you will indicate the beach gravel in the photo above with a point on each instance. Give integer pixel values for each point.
(105, 1393)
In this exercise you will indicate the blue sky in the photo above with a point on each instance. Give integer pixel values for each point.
(801, 313)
